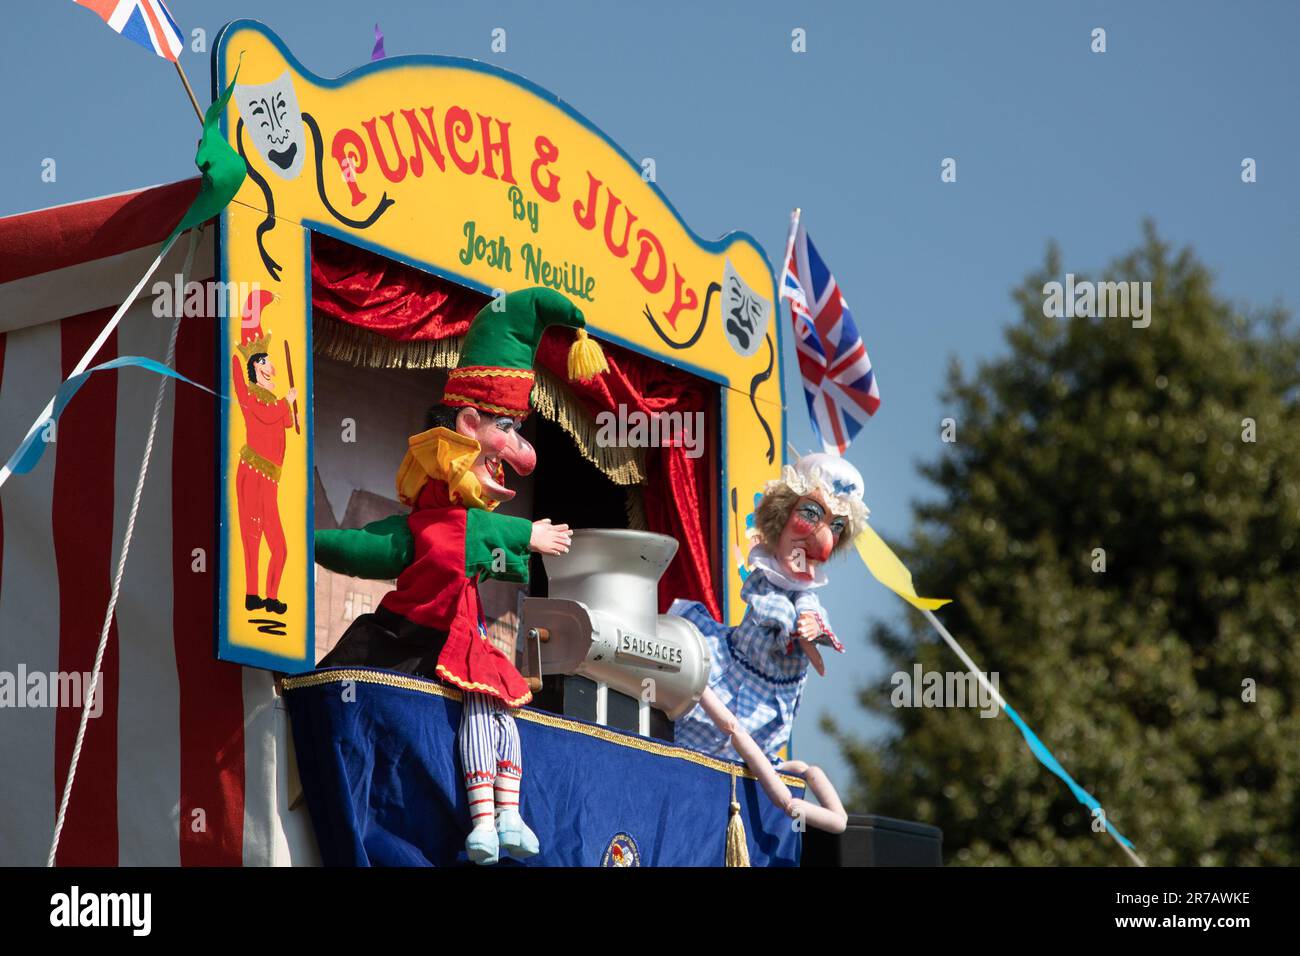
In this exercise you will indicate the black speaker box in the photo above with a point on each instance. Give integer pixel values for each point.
(872, 840)
(573, 696)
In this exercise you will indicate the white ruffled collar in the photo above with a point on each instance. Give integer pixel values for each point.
(764, 560)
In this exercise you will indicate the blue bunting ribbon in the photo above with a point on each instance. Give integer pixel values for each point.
(28, 454)
(1048, 760)
(1036, 746)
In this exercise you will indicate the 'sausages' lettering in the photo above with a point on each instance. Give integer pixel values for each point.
(648, 648)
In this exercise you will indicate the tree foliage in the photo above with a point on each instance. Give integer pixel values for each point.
(1091, 434)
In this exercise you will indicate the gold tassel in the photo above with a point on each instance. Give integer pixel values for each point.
(737, 848)
(586, 360)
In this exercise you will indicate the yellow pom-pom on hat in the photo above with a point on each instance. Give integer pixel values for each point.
(586, 360)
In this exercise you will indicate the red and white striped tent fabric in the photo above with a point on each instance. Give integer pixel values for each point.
(189, 762)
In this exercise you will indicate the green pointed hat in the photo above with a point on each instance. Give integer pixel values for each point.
(495, 371)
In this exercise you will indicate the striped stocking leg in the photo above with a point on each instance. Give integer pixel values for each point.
(478, 755)
(510, 766)
(516, 837)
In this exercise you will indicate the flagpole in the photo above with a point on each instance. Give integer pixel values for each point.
(188, 89)
(789, 243)
(785, 264)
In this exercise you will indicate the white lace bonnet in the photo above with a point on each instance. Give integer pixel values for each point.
(838, 481)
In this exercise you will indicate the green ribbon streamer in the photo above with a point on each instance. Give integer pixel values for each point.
(222, 168)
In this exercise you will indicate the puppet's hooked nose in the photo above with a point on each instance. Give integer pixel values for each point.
(820, 544)
(519, 454)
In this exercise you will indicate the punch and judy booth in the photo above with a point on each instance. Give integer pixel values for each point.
(384, 210)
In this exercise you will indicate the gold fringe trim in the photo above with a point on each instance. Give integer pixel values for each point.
(479, 688)
(483, 371)
(550, 397)
(264, 467)
(454, 398)
(265, 396)
(427, 686)
(623, 466)
(361, 347)
(634, 507)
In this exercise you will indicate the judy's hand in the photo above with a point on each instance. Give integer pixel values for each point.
(550, 538)
(809, 630)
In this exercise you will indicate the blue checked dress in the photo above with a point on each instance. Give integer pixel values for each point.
(759, 668)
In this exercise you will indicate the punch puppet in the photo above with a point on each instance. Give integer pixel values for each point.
(759, 668)
(453, 478)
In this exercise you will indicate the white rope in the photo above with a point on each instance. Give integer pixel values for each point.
(130, 529)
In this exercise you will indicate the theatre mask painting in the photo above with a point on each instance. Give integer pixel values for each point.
(745, 312)
(274, 122)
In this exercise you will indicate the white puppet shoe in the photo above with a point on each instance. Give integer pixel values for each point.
(482, 846)
(515, 836)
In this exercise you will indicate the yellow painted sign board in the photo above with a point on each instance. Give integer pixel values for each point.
(474, 174)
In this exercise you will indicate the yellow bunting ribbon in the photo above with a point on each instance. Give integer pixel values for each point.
(886, 568)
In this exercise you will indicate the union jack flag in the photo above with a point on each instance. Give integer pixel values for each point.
(147, 22)
(837, 377)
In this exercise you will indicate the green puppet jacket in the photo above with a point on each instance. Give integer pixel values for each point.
(496, 546)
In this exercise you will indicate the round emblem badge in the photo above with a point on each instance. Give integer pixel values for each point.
(621, 851)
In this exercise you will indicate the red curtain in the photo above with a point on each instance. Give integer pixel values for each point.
(364, 289)
(361, 288)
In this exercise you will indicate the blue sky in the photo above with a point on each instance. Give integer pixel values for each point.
(1052, 141)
